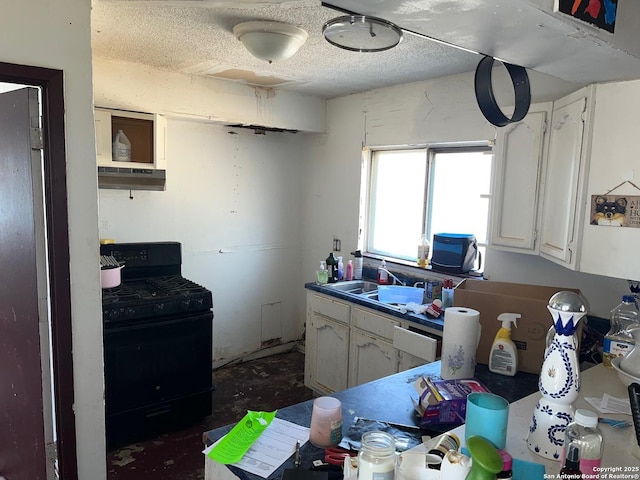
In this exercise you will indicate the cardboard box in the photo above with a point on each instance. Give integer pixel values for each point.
(444, 402)
(530, 301)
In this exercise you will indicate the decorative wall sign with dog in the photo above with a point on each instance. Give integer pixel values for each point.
(615, 210)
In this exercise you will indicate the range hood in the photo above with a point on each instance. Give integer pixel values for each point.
(124, 178)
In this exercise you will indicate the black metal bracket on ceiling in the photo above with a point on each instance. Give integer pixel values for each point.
(483, 84)
(486, 99)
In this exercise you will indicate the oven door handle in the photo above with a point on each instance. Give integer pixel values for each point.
(206, 316)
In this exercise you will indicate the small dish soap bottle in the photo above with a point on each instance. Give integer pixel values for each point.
(322, 275)
(383, 276)
(503, 358)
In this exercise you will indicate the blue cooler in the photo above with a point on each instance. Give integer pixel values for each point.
(454, 252)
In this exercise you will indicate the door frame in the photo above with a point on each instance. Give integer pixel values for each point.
(55, 193)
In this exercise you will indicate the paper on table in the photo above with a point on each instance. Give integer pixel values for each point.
(231, 447)
(276, 444)
(609, 404)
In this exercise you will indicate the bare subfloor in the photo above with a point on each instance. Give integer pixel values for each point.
(265, 384)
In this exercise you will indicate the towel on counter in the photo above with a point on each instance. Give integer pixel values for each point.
(413, 307)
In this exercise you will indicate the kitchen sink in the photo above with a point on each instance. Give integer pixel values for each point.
(356, 287)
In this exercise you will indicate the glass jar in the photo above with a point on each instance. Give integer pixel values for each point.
(377, 456)
(583, 432)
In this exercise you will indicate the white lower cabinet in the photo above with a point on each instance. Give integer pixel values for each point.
(347, 345)
(371, 358)
(371, 353)
(327, 344)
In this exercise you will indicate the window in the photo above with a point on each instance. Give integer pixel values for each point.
(426, 190)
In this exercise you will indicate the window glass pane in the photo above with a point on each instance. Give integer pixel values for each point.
(459, 180)
(397, 202)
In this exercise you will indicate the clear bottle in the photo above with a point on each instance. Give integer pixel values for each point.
(618, 342)
(583, 433)
(322, 275)
(377, 456)
(121, 148)
(424, 248)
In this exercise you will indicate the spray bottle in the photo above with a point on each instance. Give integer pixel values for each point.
(503, 358)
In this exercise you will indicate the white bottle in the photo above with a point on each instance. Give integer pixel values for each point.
(503, 358)
(121, 150)
(340, 269)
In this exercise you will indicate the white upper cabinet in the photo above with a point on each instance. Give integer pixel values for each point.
(147, 133)
(565, 176)
(520, 149)
(545, 181)
(611, 250)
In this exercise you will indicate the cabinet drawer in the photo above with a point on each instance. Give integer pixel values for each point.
(330, 308)
(372, 322)
(417, 344)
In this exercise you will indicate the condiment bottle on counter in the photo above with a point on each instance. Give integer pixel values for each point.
(340, 269)
(583, 432)
(332, 268)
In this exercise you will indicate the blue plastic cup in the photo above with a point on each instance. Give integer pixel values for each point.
(487, 416)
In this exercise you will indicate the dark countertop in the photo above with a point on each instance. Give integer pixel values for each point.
(387, 399)
(422, 319)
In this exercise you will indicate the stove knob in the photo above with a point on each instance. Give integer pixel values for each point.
(184, 305)
(158, 308)
(130, 312)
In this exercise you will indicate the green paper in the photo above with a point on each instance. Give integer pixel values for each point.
(232, 447)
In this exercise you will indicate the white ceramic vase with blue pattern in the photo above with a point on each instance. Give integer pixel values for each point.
(559, 381)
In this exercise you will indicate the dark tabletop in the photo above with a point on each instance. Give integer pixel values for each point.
(387, 399)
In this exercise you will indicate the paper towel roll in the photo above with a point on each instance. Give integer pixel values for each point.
(460, 339)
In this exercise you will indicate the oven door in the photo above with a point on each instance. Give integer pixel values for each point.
(157, 369)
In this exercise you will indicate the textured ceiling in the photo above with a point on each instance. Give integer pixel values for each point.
(195, 37)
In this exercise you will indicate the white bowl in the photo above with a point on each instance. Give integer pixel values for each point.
(626, 378)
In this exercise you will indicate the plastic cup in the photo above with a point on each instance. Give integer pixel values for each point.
(326, 422)
(487, 416)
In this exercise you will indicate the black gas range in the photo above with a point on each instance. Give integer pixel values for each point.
(158, 333)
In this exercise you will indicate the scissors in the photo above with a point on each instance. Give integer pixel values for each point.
(336, 455)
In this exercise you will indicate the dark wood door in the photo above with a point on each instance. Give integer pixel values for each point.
(22, 449)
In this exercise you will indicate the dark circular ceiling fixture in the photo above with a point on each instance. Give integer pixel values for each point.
(486, 99)
(362, 33)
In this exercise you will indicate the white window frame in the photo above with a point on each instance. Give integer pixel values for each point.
(431, 150)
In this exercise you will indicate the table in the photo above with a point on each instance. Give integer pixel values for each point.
(620, 446)
(387, 399)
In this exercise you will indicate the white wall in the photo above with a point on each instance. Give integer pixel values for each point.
(57, 35)
(139, 88)
(441, 110)
(233, 191)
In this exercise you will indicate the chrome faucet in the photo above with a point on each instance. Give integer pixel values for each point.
(393, 277)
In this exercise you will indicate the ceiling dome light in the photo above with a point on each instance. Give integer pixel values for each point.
(270, 41)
